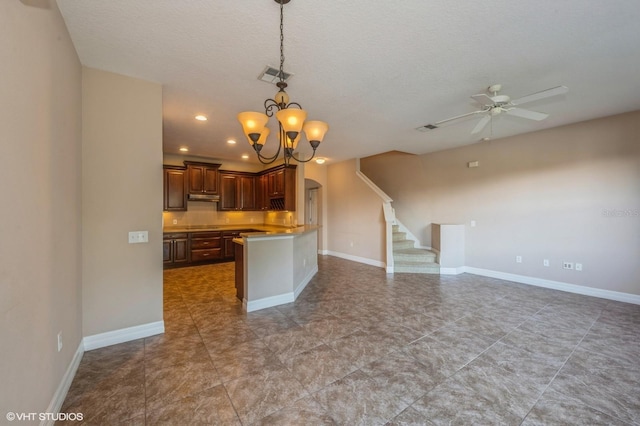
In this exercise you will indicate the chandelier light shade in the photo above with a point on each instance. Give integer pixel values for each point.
(289, 115)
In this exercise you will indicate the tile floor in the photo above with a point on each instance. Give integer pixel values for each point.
(363, 347)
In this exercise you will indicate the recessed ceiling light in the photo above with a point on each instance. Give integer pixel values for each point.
(245, 157)
(320, 160)
(201, 118)
(231, 142)
(184, 149)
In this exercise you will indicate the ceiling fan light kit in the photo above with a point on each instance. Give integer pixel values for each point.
(290, 115)
(495, 104)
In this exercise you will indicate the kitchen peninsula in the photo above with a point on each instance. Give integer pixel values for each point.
(276, 265)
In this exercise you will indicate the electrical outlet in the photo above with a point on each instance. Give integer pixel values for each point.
(567, 265)
(578, 266)
(518, 259)
(59, 341)
(545, 262)
(175, 221)
(473, 223)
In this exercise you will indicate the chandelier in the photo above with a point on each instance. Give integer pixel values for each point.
(290, 115)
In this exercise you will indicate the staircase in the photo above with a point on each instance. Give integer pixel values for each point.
(409, 259)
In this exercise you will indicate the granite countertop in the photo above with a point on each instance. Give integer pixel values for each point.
(258, 231)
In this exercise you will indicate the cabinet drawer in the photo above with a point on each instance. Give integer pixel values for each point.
(206, 254)
(174, 236)
(211, 234)
(205, 243)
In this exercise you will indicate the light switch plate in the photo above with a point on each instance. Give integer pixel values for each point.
(136, 237)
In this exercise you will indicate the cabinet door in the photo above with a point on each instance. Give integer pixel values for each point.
(228, 192)
(196, 179)
(167, 251)
(279, 182)
(175, 189)
(228, 247)
(262, 192)
(247, 186)
(210, 180)
(180, 251)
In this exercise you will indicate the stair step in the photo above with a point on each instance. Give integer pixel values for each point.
(414, 255)
(398, 236)
(412, 268)
(395, 228)
(403, 244)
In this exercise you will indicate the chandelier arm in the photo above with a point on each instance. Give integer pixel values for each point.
(271, 107)
(304, 161)
(268, 160)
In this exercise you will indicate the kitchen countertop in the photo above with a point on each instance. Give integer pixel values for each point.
(258, 231)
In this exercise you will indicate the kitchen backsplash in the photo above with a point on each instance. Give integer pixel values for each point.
(200, 213)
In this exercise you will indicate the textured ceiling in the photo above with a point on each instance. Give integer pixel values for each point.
(373, 69)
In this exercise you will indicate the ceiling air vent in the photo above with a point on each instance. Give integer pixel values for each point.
(272, 75)
(426, 128)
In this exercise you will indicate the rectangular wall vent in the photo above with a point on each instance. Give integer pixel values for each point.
(272, 75)
(426, 128)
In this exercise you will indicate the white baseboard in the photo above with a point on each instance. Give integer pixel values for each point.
(123, 335)
(453, 271)
(268, 302)
(304, 282)
(61, 392)
(323, 252)
(357, 259)
(557, 285)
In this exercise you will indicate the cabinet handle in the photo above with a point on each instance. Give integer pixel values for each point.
(205, 244)
(205, 254)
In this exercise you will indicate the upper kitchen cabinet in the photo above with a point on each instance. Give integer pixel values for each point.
(175, 188)
(203, 178)
(281, 187)
(238, 191)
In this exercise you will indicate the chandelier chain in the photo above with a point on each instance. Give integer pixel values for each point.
(281, 41)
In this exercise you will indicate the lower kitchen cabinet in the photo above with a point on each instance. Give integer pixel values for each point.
(196, 248)
(206, 246)
(229, 249)
(175, 249)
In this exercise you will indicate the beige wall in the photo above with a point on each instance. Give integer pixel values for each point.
(40, 275)
(121, 192)
(355, 218)
(542, 195)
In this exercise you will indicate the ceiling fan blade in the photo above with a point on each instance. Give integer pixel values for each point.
(481, 124)
(560, 90)
(525, 113)
(437, 123)
(483, 99)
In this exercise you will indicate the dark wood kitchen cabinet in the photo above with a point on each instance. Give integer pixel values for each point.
(205, 246)
(175, 249)
(262, 192)
(203, 178)
(229, 249)
(237, 191)
(281, 188)
(175, 188)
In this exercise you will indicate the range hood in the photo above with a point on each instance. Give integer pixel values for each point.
(204, 197)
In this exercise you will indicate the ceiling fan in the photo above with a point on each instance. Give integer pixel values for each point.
(496, 104)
